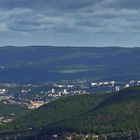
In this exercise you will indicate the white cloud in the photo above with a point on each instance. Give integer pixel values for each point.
(69, 17)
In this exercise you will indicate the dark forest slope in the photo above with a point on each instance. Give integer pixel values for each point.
(118, 113)
(110, 114)
(58, 110)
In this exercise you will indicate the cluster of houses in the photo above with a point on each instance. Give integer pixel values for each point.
(116, 85)
(58, 90)
(4, 120)
(35, 104)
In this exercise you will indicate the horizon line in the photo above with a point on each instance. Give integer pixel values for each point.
(74, 46)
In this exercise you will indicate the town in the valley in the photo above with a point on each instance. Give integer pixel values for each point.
(35, 95)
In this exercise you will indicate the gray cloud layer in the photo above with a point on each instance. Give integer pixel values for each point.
(69, 16)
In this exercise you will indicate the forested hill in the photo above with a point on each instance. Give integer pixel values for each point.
(12, 111)
(58, 110)
(46, 63)
(118, 113)
(109, 113)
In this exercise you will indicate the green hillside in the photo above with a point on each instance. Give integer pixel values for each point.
(118, 113)
(113, 115)
(15, 111)
(58, 110)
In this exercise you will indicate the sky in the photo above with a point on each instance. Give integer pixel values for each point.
(70, 22)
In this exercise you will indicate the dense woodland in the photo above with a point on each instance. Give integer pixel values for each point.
(110, 114)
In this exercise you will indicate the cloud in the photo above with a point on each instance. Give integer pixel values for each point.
(119, 4)
(69, 17)
(41, 4)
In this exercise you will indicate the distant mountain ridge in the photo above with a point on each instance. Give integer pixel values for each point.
(50, 63)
